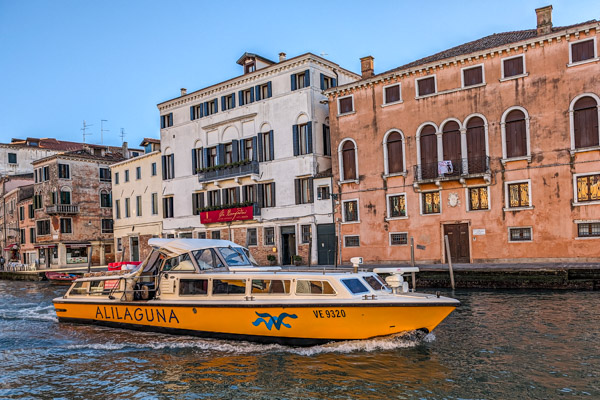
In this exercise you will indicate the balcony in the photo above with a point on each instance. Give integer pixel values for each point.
(62, 209)
(461, 168)
(228, 171)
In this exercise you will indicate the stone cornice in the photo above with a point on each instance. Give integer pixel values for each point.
(462, 59)
(228, 121)
(134, 159)
(259, 75)
(72, 157)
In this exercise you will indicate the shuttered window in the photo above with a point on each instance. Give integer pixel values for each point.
(391, 94)
(581, 51)
(351, 211)
(345, 105)
(304, 190)
(513, 66)
(394, 152)
(348, 161)
(472, 76)
(516, 134)
(518, 195)
(588, 188)
(431, 203)
(167, 207)
(426, 86)
(585, 122)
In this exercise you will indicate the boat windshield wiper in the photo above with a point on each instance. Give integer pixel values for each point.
(238, 252)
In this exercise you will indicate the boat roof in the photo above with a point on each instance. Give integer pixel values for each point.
(182, 246)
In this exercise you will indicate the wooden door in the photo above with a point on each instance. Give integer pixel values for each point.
(458, 240)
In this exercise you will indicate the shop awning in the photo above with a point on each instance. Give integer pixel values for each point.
(13, 246)
(78, 245)
(44, 246)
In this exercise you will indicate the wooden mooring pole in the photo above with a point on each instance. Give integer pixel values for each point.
(449, 261)
(412, 263)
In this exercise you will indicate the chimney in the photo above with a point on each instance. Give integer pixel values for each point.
(282, 57)
(544, 20)
(183, 91)
(125, 150)
(366, 67)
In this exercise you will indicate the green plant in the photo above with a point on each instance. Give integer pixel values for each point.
(297, 258)
(271, 258)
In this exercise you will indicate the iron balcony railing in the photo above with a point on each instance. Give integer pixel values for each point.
(452, 169)
(62, 209)
(228, 172)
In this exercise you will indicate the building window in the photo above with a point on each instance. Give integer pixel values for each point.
(66, 225)
(46, 173)
(211, 159)
(588, 229)
(31, 235)
(268, 147)
(519, 235)
(251, 237)
(351, 211)
(348, 161)
(473, 76)
(248, 149)
(246, 96)
(301, 80)
(138, 206)
(228, 102)
(426, 86)
(391, 94)
(588, 188)
(478, 198)
(12, 158)
(22, 236)
(63, 171)
(228, 153)
(201, 235)
(326, 140)
(213, 198)
(166, 121)
(215, 235)
(302, 139)
(119, 244)
(230, 196)
(264, 91)
(398, 239)
(65, 196)
(304, 190)
(518, 195)
(138, 173)
(43, 227)
(116, 178)
(126, 175)
(105, 198)
(585, 122)
(396, 205)
(269, 236)
(306, 233)
(211, 107)
(352, 241)
(107, 225)
(168, 207)
(268, 194)
(327, 82)
(37, 201)
(583, 50)
(105, 175)
(323, 193)
(345, 105)
(431, 203)
(118, 209)
(249, 193)
(31, 211)
(153, 169)
(127, 208)
(477, 161)
(168, 167)
(22, 213)
(515, 134)
(395, 153)
(154, 203)
(197, 202)
(514, 66)
(249, 67)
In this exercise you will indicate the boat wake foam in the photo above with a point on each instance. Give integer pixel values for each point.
(36, 313)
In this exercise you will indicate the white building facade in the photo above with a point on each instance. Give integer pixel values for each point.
(249, 160)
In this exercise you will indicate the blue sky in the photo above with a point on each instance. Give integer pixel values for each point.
(62, 62)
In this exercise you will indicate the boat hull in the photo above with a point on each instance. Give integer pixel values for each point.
(298, 325)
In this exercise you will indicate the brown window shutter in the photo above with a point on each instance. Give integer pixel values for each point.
(392, 94)
(473, 76)
(513, 67)
(348, 155)
(346, 105)
(585, 122)
(298, 190)
(394, 148)
(582, 51)
(426, 86)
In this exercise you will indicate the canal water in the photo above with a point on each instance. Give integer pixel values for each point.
(497, 345)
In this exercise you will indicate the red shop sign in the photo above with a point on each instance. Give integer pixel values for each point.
(226, 215)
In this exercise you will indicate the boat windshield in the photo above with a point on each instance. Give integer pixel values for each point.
(234, 257)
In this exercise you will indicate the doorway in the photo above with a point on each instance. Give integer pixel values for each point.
(326, 244)
(135, 249)
(458, 240)
(288, 244)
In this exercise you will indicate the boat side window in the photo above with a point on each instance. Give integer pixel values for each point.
(193, 287)
(179, 263)
(313, 287)
(267, 286)
(234, 257)
(229, 286)
(96, 288)
(376, 283)
(205, 258)
(154, 261)
(78, 289)
(249, 255)
(355, 286)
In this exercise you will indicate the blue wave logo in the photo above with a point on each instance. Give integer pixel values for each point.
(271, 321)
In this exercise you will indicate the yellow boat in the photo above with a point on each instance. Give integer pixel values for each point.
(213, 288)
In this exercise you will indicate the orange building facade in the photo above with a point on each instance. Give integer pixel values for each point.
(494, 143)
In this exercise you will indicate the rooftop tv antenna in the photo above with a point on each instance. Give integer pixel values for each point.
(85, 126)
(122, 135)
(102, 130)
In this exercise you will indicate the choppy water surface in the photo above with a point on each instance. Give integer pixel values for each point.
(497, 345)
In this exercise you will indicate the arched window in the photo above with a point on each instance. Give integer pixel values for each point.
(105, 198)
(476, 157)
(348, 159)
(429, 156)
(515, 134)
(585, 122)
(65, 195)
(451, 146)
(395, 159)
